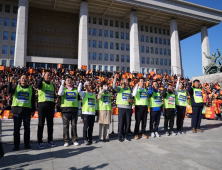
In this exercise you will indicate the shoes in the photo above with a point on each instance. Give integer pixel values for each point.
(102, 140)
(92, 142)
(181, 132)
(66, 144)
(127, 138)
(172, 133)
(144, 136)
(136, 137)
(107, 140)
(153, 135)
(193, 130)
(27, 147)
(16, 148)
(76, 143)
(41, 146)
(157, 134)
(51, 144)
(120, 139)
(86, 142)
(167, 134)
(200, 130)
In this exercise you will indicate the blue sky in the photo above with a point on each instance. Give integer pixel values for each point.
(191, 47)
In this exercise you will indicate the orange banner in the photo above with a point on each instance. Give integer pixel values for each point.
(59, 65)
(84, 67)
(209, 113)
(189, 109)
(2, 67)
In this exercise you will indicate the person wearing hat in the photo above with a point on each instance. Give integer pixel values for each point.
(104, 108)
(23, 106)
(141, 107)
(124, 105)
(196, 98)
(181, 103)
(155, 104)
(88, 111)
(169, 108)
(69, 108)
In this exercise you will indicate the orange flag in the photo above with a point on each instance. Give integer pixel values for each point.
(84, 67)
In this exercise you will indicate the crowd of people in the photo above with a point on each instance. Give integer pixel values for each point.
(94, 92)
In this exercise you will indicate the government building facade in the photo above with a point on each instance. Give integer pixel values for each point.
(113, 35)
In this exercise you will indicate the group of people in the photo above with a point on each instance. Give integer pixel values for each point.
(78, 96)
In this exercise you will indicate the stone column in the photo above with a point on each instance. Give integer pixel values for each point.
(83, 35)
(21, 33)
(176, 65)
(134, 43)
(205, 46)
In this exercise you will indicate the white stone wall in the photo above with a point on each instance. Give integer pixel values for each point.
(108, 51)
(8, 29)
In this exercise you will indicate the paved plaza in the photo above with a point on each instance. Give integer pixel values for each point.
(190, 151)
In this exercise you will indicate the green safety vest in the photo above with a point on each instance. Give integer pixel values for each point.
(105, 102)
(70, 98)
(197, 95)
(122, 96)
(155, 100)
(22, 97)
(181, 98)
(141, 97)
(46, 93)
(89, 103)
(169, 101)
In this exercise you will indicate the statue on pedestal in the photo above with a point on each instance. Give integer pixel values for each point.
(213, 67)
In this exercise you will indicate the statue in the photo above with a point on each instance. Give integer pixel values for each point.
(213, 67)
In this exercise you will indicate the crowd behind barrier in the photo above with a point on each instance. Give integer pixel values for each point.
(212, 93)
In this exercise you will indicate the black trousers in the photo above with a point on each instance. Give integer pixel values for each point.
(66, 118)
(124, 118)
(154, 120)
(180, 117)
(88, 124)
(18, 118)
(48, 114)
(140, 115)
(196, 117)
(169, 119)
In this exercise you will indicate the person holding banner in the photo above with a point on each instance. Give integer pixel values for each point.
(124, 105)
(104, 108)
(169, 108)
(88, 111)
(141, 107)
(197, 105)
(181, 103)
(46, 107)
(70, 105)
(23, 106)
(155, 104)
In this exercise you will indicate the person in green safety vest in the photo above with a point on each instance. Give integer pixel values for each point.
(181, 103)
(23, 106)
(46, 107)
(104, 108)
(70, 105)
(155, 104)
(88, 111)
(196, 97)
(124, 105)
(141, 107)
(169, 108)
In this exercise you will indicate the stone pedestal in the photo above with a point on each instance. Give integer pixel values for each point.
(211, 78)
